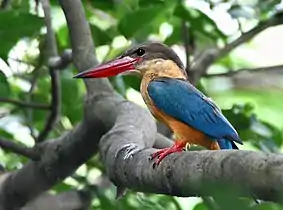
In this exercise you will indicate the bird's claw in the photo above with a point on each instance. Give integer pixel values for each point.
(156, 154)
(161, 154)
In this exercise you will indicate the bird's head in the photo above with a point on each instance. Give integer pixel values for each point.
(138, 59)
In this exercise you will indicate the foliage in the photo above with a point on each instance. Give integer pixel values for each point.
(115, 25)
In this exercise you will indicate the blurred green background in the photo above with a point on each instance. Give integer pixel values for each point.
(252, 101)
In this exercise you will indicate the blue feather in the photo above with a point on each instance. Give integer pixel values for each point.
(181, 100)
(226, 144)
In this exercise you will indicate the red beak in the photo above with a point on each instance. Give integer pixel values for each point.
(110, 68)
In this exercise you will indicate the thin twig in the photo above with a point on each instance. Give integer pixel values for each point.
(186, 39)
(8, 145)
(269, 69)
(245, 37)
(201, 65)
(54, 74)
(61, 62)
(25, 104)
(55, 106)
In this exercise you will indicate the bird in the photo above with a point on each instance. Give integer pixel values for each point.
(171, 98)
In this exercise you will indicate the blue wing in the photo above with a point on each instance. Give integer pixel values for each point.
(181, 100)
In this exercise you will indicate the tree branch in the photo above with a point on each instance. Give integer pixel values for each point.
(51, 47)
(84, 56)
(8, 145)
(132, 131)
(25, 104)
(125, 153)
(61, 62)
(268, 69)
(201, 65)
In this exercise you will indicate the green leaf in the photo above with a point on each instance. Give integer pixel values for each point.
(267, 206)
(12, 161)
(228, 198)
(199, 22)
(169, 201)
(176, 36)
(122, 83)
(146, 3)
(148, 204)
(115, 52)
(22, 6)
(15, 26)
(105, 201)
(238, 117)
(200, 206)
(62, 187)
(100, 37)
(120, 11)
(267, 102)
(5, 134)
(103, 5)
(269, 138)
(62, 36)
(277, 134)
(133, 4)
(4, 85)
(54, 2)
(133, 82)
(134, 22)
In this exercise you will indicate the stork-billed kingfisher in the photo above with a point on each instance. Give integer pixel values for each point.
(172, 99)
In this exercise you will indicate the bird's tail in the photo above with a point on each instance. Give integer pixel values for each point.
(226, 144)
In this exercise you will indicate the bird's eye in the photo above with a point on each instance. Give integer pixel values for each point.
(140, 52)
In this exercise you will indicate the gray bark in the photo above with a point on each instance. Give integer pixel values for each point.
(190, 173)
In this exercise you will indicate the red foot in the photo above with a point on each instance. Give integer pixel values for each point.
(161, 154)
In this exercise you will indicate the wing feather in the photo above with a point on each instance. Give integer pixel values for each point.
(181, 100)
